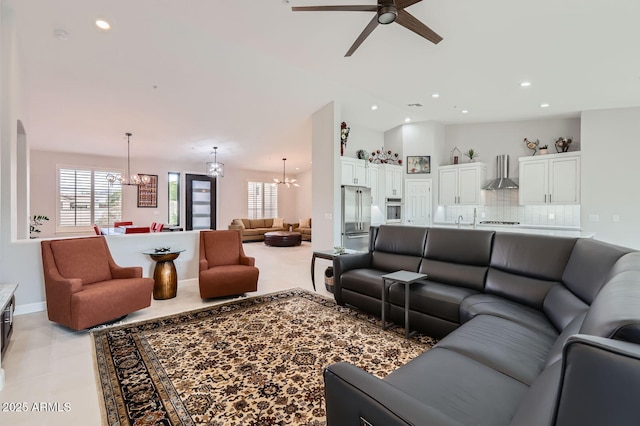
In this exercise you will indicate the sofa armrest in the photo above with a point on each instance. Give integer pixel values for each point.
(344, 263)
(62, 285)
(203, 265)
(236, 227)
(599, 382)
(248, 261)
(119, 272)
(353, 395)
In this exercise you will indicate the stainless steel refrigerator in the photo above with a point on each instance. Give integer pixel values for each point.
(356, 217)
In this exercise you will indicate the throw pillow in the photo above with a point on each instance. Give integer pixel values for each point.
(278, 222)
(305, 223)
(238, 222)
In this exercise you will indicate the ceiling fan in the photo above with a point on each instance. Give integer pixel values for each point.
(387, 12)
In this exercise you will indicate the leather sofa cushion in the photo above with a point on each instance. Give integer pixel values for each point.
(454, 274)
(390, 262)
(439, 300)
(614, 313)
(246, 222)
(460, 387)
(590, 266)
(249, 231)
(407, 240)
(84, 258)
(538, 256)
(517, 351)
(555, 354)
(486, 304)
(538, 405)
(364, 281)
(561, 306)
(461, 246)
(520, 288)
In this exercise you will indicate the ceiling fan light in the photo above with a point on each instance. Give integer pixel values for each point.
(387, 14)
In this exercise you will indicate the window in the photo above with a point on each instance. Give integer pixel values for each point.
(174, 198)
(85, 197)
(262, 200)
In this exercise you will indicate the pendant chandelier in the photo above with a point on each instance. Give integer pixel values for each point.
(132, 179)
(215, 169)
(285, 180)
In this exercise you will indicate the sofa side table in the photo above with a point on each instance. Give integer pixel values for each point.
(165, 276)
(328, 255)
(404, 277)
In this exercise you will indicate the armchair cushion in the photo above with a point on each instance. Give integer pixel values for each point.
(84, 258)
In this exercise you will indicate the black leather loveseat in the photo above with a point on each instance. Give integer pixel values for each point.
(536, 330)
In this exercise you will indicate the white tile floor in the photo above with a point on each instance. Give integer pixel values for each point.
(47, 363)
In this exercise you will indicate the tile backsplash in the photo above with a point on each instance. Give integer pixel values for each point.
(503, 206)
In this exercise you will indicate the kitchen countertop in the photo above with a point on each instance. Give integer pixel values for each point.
(562, 231)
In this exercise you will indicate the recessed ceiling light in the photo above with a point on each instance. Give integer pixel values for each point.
(544, 105)
(60, 34)
(407, 120)
(525, 84)
(464, 111)
(102, 24)
(435, 95)
(374, 107)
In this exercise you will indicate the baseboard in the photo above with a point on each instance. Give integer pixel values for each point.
(30, 308)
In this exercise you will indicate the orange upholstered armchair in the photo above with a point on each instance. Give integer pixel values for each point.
(224, 268)
(84, 286)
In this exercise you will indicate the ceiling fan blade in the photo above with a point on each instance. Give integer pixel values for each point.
(410, 22)
(368, 30)
(403, 4)
(352, 8)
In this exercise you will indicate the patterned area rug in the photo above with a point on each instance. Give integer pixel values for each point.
(255, 361)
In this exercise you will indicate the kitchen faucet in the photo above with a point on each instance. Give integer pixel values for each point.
(459, 221)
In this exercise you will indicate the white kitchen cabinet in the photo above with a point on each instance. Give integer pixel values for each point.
(461, 184)
(376, 199)
(355, 172)
(392, 180)
(550, 179)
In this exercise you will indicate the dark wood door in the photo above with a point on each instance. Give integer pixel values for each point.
(201, 202)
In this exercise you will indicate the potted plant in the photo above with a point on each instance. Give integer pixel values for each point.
(472, 155)
(543, 149)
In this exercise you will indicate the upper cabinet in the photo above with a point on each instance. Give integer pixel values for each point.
(461, 184)
(355, 172)
(550, 179)
(392, 180)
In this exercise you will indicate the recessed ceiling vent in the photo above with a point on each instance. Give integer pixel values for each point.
(502, 180)
(415, 105)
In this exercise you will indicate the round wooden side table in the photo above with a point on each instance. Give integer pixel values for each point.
(165, 276)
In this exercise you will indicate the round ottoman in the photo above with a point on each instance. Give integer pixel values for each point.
(283, 239)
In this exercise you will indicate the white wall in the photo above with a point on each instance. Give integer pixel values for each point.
(610, 153)
(304, 200)
(325, 151)
(493, 139)
(363, 138)
(232, 188)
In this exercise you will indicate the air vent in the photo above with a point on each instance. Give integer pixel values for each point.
(415, 105)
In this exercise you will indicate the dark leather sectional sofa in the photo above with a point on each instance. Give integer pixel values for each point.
(535, 330)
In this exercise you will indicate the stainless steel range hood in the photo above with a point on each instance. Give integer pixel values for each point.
(502, 181)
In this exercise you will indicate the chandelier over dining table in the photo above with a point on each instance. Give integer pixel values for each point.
(131, 179)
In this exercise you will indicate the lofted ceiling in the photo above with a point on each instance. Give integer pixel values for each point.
(246, 75)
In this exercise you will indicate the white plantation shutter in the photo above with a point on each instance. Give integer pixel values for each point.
(262, 201)
(85, 198)
(270, 200)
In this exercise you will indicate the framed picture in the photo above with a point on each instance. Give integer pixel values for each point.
(148, 192)
(418, 164)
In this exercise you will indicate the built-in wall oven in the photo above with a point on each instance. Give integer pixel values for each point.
(393, 209)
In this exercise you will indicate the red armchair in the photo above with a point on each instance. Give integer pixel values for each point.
(84, 287)
(224, 268)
